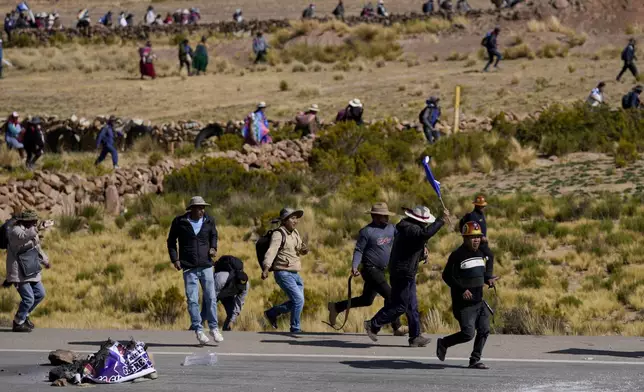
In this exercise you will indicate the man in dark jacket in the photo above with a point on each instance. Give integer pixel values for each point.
(231, 288)
(412, 233)
(33, 141)
(309, 12)
(338, 12)
(489, 41)
(466, 272)
(478, 216)
(429, 116)
(197, 236)
(105, 142)
(353, 112)
(632, 99)
(372, 253)
(628, 57)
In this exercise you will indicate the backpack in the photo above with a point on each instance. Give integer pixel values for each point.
(229, 264)
(624, 52)
(263, 243)
(4, 234)
(422, 114)
(626, 101)
(485, 40)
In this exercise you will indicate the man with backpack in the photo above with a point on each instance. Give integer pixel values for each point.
(353, 112)
(372, 255)
(408, 249)
(309, 12)
(282, 256)
(628, 57)
(429, 116)
(490, 44)
(231, 288)
(632, 99)
(197, 235)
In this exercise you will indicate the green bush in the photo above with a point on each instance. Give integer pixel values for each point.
(543, 228)
(155, 158)
(114, 272)
(120, 221)
(91, 212)
(532, 271)
(138, 229)
(96, 227)
(626, 153)
(68, 224)
(230, 142)
(518, 245)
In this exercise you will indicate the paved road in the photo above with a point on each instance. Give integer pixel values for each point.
(343, 362)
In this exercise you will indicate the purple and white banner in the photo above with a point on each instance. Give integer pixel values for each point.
(121, 365)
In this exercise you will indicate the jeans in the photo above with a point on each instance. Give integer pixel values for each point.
(108, 148)
(403, 300)
(628, 66)
(31, 293)
(374, 284)
(192, 278)
(431, 134)
(12, 142)
(471, 318)
(293, 286)
(491, 53)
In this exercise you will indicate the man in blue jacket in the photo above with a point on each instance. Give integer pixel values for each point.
(489, 41)
(197, 236)
(429, 116)
(628, 57)
(372, 254)
(105, 142)
(412, 233)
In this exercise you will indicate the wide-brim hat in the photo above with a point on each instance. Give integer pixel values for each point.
(480, 201)
(380, 209)
(314, 108)
(15, 115)
(197, 201)
(355, 103)
(261, 105)
(420, 214)
(35, 121)
(27, 216)
(286, 213)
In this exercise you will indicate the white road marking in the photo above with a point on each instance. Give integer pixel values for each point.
(376, 357)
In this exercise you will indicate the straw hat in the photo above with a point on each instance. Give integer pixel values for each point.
(261, 105)
(355, 103)
(380, 209)
(314, 108)
(197, 201)
(420, 214)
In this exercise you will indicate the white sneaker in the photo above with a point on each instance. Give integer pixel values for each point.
(216, 335)
(202, 338)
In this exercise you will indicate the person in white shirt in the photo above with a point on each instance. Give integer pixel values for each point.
(596, 97)
(150, 16)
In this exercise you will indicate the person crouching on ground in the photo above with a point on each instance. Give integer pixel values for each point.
(412, 233)
(197, 236)
(24, 260)
(372, 253)
(231, 288)
(283, 257)
(466, 272)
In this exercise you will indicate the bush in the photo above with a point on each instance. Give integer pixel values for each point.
(517, 244)
(166, 307)
(284, 85)
(114, 272)
(522, 51)
(230, 142)
(68, 224)
(120, 221)
(532, 271)
(91, 212)
(626, 153)
(96, 227)
(138, 229)
(155, 158)
(529, 321)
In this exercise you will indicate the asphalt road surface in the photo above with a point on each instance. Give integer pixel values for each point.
(342, 362)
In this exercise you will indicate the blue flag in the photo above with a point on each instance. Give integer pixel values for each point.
(430, 177)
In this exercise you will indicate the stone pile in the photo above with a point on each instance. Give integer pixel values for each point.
(269, 155)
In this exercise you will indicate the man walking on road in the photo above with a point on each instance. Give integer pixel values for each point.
(283, 257)
(372, 253)
(489, 42)
(466, 272)
(477, 216)
(197, 236)
(412, 233)
(628, 57)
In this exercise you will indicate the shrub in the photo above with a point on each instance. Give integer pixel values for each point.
(522, 51)
(114, 272)
(532, 271)
(529, 321)
(155, 158)
(68, 224)
(91, 212)
(96, 227)
(120, 221)
(552, 50)
(516, 244)
(230, 142)
(543, 228)
(284, 85)
(626, 153)
(166, 307)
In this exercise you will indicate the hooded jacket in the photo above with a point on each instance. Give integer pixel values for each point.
(409, 246)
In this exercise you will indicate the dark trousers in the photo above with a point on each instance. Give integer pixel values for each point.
(431, 134)
(492, 53)
(1, 69)
(32, 157)
(187, 64)
(403, 301)
(261, 57)
(628, 66)
(473, 318)
(375, 283)
(108, 148)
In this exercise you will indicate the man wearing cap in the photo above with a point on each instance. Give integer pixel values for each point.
(255, 130)
(372, 254)
(465, 273)
(628, 57)
(412, 234)
(283, 257)
(105, 142)
(429, 116)
(34, 141)
(478, 216)
(308, 122)
(196, 233)
(24, 260)
(353, 112)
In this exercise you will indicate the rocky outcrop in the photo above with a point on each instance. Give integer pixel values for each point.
(270, 155)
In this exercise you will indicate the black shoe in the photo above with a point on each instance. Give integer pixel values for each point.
(29, 323)
(271, 320)
(478, 365)
(441, 350)
(20, 327)
(419, 341)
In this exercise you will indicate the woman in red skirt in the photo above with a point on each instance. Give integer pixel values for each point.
(146, 65)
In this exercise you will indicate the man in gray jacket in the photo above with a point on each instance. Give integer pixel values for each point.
(24, 257)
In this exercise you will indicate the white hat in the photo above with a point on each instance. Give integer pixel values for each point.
(14, 114)
(355, 103)
(185, 11)
(261, 105)
(52, 16)
(314, 108)
(420, 214)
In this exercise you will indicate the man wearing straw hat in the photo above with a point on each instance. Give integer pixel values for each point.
(372, 254)
(283, 257)
(353, 112)
(412, 233)
(197, 236)
(308, 122)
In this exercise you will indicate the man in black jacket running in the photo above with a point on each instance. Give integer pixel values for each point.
(412, 233)
(466, 272)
